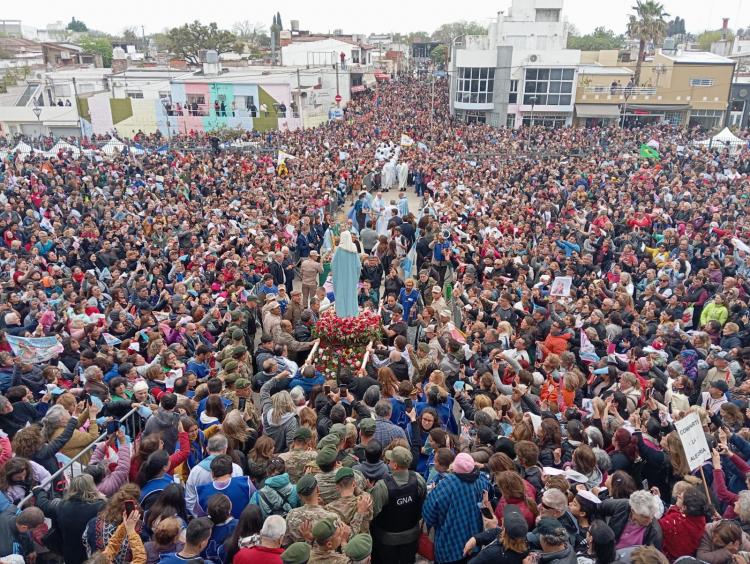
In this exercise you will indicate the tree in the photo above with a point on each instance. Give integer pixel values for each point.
(447, 32)
(186, 41)
(708, 37)
(130, 35)
(255, 33)
(439, 54)
(646, 25)
(676, 27)
(77, 25)
(600, 39)
(278, 20)
(99, 45)
(417, 37)
(243, 29)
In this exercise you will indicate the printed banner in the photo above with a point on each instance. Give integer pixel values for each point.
(34, 350)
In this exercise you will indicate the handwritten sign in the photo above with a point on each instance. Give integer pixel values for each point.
(690, 431)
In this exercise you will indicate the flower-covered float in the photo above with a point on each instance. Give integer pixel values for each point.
(343, 340)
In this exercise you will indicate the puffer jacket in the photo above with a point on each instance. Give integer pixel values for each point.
(278, 494)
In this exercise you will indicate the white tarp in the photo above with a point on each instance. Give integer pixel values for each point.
(22, 148)
(724, 139)
(66, 147)
(113, 146)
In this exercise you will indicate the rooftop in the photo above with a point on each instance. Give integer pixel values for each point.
(699, 57)
(600, 69)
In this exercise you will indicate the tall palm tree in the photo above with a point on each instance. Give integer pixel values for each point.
(646, 25)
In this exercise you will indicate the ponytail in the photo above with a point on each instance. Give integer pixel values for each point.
(152, 468)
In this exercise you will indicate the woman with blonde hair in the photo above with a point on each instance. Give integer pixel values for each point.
(504, 335)
(279, 416)
(71, 513)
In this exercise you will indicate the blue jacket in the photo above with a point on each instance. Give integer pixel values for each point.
(452, 508)
(568, 247)
(276, 489)
(155, 485)
(307, 383)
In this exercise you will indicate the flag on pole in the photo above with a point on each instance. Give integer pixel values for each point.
(283, 157)
(647, 152)
(406, 141)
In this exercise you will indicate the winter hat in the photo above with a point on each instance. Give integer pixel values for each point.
(463, 464)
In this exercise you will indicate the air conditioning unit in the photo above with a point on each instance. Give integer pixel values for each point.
(533, 58)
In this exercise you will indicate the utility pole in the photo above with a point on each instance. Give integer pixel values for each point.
(299, 101)
(336, 65)
(78, 111)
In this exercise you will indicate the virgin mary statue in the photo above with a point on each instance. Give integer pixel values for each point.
(346, 267)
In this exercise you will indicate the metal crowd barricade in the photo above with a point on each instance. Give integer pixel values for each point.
(131, 421)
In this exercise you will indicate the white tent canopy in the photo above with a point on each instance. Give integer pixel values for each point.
(22, 148)
(724, 139)
(112, 146)
(67, 147)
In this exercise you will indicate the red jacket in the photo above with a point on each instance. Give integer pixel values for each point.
(258, 555)
(682, 534)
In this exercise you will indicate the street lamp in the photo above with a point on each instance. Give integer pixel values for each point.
(533, 103)
(38, 112)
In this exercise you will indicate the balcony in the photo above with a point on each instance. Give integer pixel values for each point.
(615, 95)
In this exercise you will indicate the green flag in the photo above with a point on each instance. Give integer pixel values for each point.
(649, 152)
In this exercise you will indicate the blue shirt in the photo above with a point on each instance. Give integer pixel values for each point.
(238, 490)
(439, 249)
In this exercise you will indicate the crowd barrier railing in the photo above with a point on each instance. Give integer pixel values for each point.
(133, 424)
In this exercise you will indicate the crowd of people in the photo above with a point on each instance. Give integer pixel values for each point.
(550, 309)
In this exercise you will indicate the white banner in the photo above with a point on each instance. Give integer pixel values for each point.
(693, 440)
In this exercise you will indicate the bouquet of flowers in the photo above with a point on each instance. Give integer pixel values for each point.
(343, 340)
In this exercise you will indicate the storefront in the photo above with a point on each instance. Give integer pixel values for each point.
(597, 115)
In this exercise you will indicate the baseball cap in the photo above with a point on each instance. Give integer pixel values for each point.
(514, 523)
(548, 525)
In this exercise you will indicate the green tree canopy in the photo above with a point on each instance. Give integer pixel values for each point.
(186, 41)
(439, 54)
(77, 25)
(601, 38)
(709, 36)
(99, 45)
(646, 25)
(676, 26)
(449, 31)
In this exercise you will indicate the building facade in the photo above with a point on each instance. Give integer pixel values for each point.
(688, 89)
(520, 73)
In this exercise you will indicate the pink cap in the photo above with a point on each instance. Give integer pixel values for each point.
(463, 464)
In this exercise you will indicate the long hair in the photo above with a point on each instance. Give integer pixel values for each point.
(626, 443)
(152, 468)
(169, 503)
(112, 512)
(234, 427)
(511, 486)
(281, 404)
(677, 457)
(82, 488)
(263, 449)
(388, 382)
(250, 523)
(14, 466)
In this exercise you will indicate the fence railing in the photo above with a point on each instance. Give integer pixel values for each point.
(133, 425)
(621, 90)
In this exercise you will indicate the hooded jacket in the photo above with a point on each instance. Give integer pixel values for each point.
(277, 491)
(165, 423)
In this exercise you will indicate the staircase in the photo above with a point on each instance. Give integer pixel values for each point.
(30, 93)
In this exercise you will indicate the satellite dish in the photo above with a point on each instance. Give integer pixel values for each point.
(533, 58)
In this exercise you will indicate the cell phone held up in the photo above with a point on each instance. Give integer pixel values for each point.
(129, 506)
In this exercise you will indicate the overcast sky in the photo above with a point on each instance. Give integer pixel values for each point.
(362, 17)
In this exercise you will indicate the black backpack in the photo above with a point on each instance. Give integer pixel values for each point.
(273, 510)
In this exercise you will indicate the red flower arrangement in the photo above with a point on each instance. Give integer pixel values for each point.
(343, 340)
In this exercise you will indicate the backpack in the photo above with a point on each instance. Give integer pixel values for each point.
(274, 510)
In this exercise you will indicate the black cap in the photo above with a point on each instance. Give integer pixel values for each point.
(266, 338)
(514, 523)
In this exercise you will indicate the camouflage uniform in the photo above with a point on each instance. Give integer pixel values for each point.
(297, 516)
(320, 555)
(346, 508)
(327, 485)
(296, 461)
(253, 417)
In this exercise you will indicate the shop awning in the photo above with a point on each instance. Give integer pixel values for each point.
(382, 76)
(605, 111)
(358, 88)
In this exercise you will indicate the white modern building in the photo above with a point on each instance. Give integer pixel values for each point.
(520, 72)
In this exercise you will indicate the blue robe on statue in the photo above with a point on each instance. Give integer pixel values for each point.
(346, 267)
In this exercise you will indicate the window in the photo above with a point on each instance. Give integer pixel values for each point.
(137, 95)
(701, 82)
(674, 118)
(85, 88)
(510, 121)
(737, 106)
(62, 90)
(548, 87)
(475, 85)
(546, 120)
(547, 15)
(471, 116)
(355, 56)
(513, 94)
(707, 119)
